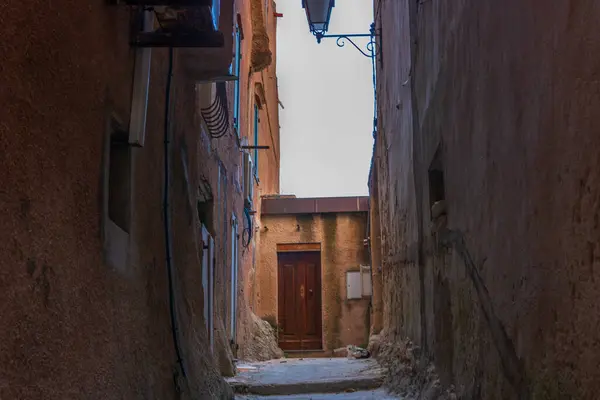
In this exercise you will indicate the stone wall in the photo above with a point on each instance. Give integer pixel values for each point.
(504, 92)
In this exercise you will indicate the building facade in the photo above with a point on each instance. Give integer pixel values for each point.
(126, 212)
(313, 281)
(486, 188)
(258, 129)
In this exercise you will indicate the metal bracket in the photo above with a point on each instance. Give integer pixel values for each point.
(372, 48)
(255, 147)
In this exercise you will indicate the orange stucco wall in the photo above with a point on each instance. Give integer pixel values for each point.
(341, 237)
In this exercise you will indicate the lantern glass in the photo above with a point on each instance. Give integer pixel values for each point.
(318, 13)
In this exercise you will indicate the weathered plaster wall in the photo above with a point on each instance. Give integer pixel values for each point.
(394, 186)
(72, 325)
(269, 116)
(507, 91)
(341, 237)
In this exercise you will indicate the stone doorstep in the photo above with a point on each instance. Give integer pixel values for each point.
(322, 386)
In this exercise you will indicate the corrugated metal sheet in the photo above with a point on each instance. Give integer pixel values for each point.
(316, 205)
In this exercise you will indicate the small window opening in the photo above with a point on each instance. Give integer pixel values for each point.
(205, 204)
(119, 179)
(437, 190)
(205, 214)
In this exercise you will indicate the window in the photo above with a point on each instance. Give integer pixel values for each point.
(358, 283)
(437, 190)
(116, 207)
(234, 276)
(236, 84)
(205, 213)
(256, 130)
(205, 203)
(119, 179)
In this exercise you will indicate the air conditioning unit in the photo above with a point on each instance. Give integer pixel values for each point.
(248, 180)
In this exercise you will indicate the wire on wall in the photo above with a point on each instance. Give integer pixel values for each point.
(167, 216)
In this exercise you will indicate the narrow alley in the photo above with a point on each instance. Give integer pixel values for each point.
(300, 199)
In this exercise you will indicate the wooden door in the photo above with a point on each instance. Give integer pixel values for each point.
(299, 301)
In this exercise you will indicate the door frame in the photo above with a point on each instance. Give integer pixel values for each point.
(300, 249)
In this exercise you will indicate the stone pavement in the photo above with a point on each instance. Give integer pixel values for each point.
(378, 394)
(310, 378)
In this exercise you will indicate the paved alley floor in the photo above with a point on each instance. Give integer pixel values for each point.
(310, 378)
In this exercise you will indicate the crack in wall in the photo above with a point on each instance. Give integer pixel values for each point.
(511, 364)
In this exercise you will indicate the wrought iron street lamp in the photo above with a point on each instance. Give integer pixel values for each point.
(318, 14)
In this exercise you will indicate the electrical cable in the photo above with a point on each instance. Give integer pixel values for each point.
(167, 216)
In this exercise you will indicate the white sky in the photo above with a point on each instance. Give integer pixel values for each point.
(327, 92)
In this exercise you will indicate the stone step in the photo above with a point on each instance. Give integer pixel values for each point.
(307, 376)
(377, 394)
(321, 386)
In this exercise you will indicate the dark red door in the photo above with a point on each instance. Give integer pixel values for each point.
(300, 300)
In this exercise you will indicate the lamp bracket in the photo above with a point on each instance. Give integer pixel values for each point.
(372, 48)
